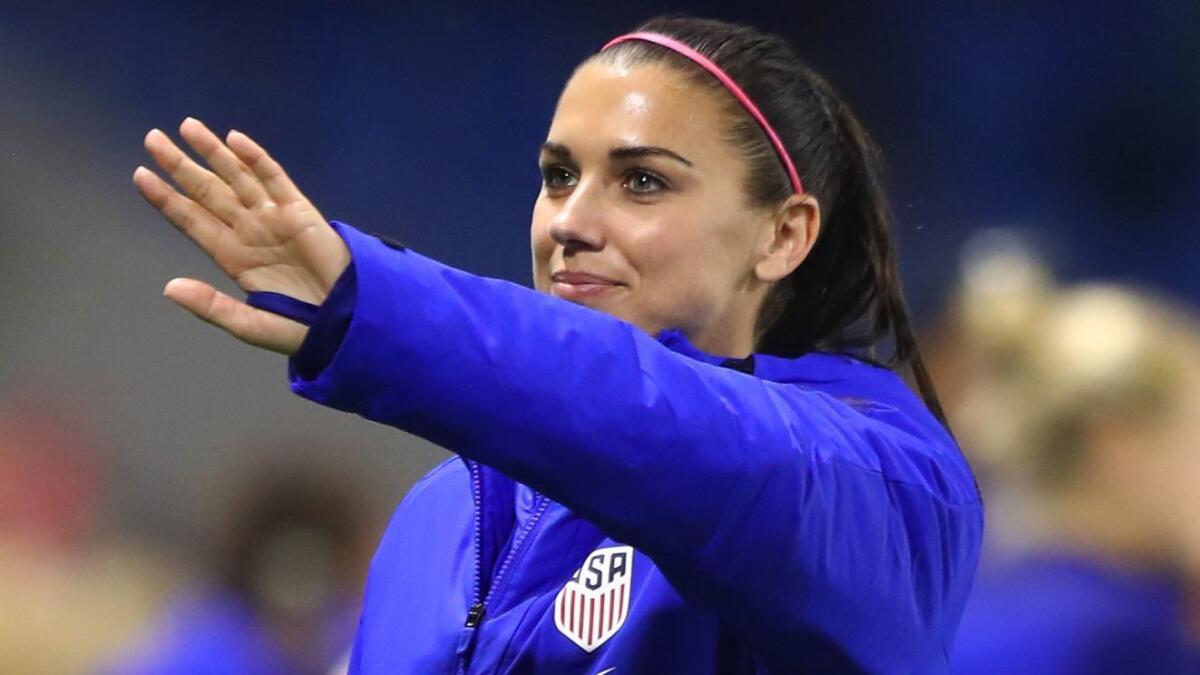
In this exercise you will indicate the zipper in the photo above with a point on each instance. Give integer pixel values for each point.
(478, 610)
(466, 638)
(539, 508)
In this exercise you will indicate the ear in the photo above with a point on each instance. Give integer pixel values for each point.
(788, 237)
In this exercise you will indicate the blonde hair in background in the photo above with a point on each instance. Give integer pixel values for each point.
(1100, 353)
(1061, 360)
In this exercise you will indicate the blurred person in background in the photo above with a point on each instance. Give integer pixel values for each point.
(72, 586)
(284, 584)
(1080, 407)
(977, 352)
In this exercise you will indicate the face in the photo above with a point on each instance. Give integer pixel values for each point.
(642, 212)
(1152, 466)
(1171, 470)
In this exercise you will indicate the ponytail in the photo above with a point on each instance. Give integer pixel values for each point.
(828, 304)
(846, 297)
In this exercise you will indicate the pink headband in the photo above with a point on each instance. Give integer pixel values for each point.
(707, 64)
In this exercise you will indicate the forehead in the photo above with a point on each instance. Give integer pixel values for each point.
(606, 104)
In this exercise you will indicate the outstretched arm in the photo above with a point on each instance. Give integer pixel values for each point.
(812, 528)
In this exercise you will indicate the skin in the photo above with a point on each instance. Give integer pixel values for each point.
(249, 217)
(673, 233)
(662, 238)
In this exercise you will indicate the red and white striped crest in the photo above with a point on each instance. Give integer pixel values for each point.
(592, 606)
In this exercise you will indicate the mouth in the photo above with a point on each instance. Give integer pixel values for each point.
(581, 285)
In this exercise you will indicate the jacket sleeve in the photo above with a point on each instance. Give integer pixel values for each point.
(809, 527)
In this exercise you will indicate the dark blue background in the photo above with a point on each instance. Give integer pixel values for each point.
(1078, 121)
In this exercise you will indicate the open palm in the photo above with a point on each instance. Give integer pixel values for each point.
(255, 224)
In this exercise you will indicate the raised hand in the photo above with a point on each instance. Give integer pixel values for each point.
(255, 224)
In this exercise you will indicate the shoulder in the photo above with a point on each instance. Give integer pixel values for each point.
(446, 470)
(878, 424)
(448, 481)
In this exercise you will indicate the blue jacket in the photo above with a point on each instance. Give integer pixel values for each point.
(1053, 612)
(622, 503)
(216, 632)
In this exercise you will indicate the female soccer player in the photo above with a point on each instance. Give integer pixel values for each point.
(689, 466)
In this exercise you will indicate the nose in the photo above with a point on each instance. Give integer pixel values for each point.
(578, 225)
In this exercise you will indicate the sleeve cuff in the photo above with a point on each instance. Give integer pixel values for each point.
(329, 326)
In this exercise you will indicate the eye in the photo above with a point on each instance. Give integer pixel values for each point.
(642, 182)
(558, 178)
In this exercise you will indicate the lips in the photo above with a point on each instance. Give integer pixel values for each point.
(581, 285)
(581, 278)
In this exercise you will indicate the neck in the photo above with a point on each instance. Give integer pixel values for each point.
(722, 343)
(730, 330)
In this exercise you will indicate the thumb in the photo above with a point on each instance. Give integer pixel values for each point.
(248, 324)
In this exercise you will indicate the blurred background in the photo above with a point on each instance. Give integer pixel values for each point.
(150, 468)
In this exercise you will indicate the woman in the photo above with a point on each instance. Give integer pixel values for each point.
(1093, 402)
(636, 490)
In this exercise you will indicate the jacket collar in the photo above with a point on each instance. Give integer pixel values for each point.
(841, 372)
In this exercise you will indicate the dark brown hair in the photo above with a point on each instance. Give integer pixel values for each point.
(846, 296)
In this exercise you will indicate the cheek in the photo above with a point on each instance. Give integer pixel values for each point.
(678, 268)
(541, 246)
(657, 251)
(695, 249)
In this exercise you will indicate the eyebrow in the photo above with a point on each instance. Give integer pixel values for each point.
(624, 152)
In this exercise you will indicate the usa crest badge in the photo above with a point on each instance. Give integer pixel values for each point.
(593, 604)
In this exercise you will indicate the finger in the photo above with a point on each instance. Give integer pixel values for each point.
(273, 177)
(227, 165)
(250, 325)
(192, 219)
(202, 185)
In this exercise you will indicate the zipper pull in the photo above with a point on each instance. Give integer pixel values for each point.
(466, 639)
(475, 615)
